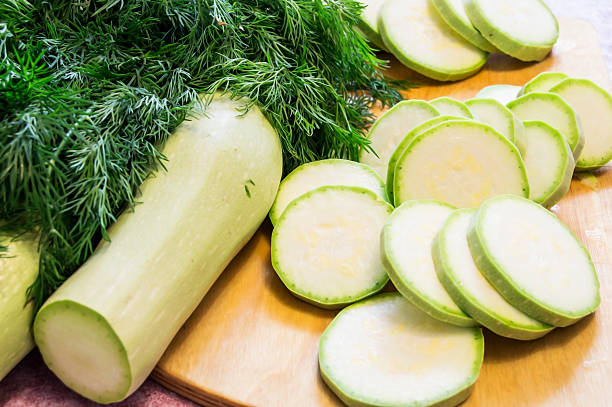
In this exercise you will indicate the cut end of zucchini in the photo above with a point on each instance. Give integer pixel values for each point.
(316, 174)
(459, 162)
(533, 260)
(471, 290)
(524, 29)
(82, 349)
(322, 247)
(594, 107)
(385, 352)
(419, 38)
(407, 238)
(549, 163)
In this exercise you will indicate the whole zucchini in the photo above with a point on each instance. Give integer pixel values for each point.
(105, 328)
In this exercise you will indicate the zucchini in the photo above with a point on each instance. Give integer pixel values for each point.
(406, 241)
(454, 14)
(418, 37)
(459, 162)
(502, 93)
(316, 174)
(593, 105)
(426, 125)
(543, 82)
(549, 163)
(533, 260)
(368, 22)
(554, 111)
(498, 116)
(385, 352)
(325, 246)
(391, 128)
(18, 270)
(105, 328)
(451, 107)
(523, 29)
(470, 289)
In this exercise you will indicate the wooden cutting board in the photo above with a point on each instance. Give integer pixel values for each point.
(252, 343)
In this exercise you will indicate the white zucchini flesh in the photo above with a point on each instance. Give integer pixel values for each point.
(18, 270)
(451, 107)
(523, 29)
(369, 21)
(406, 241)
(426, 125)
(418, 37)
(391, 128)
(385, 352)
(504, 94)
(325, 247)
(498, 116)
(453, 12)
(469, 288)
(549, 163)
(316, 174)
(594, 107)
(533, 260)
(105, 328)
(459, 162)
(543, 82)
(554, 111)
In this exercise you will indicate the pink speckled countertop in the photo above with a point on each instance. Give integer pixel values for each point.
(32, 384)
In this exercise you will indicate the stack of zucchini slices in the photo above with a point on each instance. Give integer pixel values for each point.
(448, 40)
(469, 244)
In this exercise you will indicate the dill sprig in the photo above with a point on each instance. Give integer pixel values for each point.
(90, 89)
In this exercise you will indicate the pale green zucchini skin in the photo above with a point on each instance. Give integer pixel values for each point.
(18, 270)
(223, 172)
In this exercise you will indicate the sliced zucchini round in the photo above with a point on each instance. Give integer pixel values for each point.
(502, 93)
(543, 82)
(554, 111)
(498, 116)
(594, 107)
(459, 162)
(451, 107)
(533, 260)
(419, 38)
(368, 24)
(391, 128)
(316, 174)
(426, 125)
(453, 12)
(406, 241)
(385, 352)
(325, 246)
(523, 29)
(549, 163)
(470, 289)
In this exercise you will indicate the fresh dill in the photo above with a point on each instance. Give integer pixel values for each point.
(90, 89)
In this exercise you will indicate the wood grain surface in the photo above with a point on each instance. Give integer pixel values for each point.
(252, 343)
